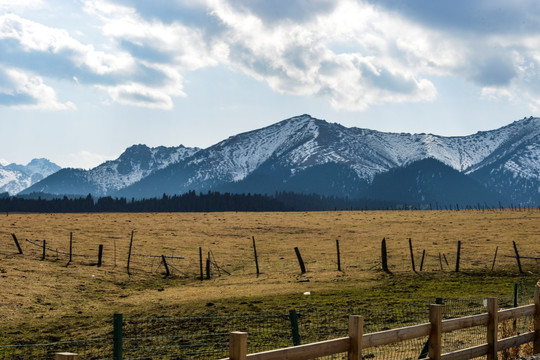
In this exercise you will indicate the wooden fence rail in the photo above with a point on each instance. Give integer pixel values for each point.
(357, 340)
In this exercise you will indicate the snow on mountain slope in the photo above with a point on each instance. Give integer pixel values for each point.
(134, 164)
(296, 150)
(137, 162)
(298, 144)
(234, 158)
(15, 178)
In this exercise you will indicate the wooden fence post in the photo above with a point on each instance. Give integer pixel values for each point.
(44, 248)
(384, 256)
(440, 261)
(208, 269)
(493, 325)
(256, 258)
(412, 255)
(536, 345)
(458, 255)
(129, 253)
(100, 255)
(200, 263)
(494, 258)
(66, 356)
(300, 261)
(70, 246)
(167, 272)
(435, 334)
(17, 243)
(238, 346)
(338, 256)
(356, 333)
(422, 262)
(517, 257)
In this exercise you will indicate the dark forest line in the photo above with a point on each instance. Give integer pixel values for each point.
(188, 202)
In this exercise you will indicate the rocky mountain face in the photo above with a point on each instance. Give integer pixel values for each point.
(307, 155)
(15, 178)
(136, 163)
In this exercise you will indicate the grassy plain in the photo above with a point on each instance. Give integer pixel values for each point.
(52, 300)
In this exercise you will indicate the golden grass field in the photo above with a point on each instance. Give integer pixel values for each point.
(53, 300)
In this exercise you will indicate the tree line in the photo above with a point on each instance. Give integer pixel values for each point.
(188, 202)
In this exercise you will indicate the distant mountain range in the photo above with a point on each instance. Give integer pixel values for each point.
(15, 178)
(306, 155)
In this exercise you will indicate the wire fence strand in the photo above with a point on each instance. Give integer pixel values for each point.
(207, 337)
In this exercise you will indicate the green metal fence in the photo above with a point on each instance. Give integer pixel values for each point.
(207, 337)
(99, 348)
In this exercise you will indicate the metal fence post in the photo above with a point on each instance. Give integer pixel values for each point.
(117, 336)
(293, 317)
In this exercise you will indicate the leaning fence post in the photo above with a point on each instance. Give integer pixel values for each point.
(238, 346)
(412, 255)
(17, 243)
(492, 327)
(536, 345)
(494, 258)
(517, 257)
(255, 254)
(293, 317)
(422, 262)
(356, 333)
(117, 336)
(300, 261)
(129, 253)
(167, 272)
(435, 334)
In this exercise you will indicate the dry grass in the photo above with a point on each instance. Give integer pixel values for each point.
(58, 300)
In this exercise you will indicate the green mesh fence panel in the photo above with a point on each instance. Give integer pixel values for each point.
(95, 349)
(202, 337)
(208, 337)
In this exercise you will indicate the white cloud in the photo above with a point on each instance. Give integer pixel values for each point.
(353, 54)
(27, 91)
(12, 6)
(379, 66)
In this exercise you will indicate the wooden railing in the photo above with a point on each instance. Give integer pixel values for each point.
(358, 341)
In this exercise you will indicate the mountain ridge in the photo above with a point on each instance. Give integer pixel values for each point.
(15, 178)
(303, 153)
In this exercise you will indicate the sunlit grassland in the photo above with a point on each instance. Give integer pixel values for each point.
(48, 300)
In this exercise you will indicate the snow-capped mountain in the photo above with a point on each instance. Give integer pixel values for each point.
(137, 162)
(304, 154)
(15, 178)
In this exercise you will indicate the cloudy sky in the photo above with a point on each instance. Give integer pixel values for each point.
(81, 80)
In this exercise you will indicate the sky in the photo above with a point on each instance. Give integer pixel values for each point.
(82, 80)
